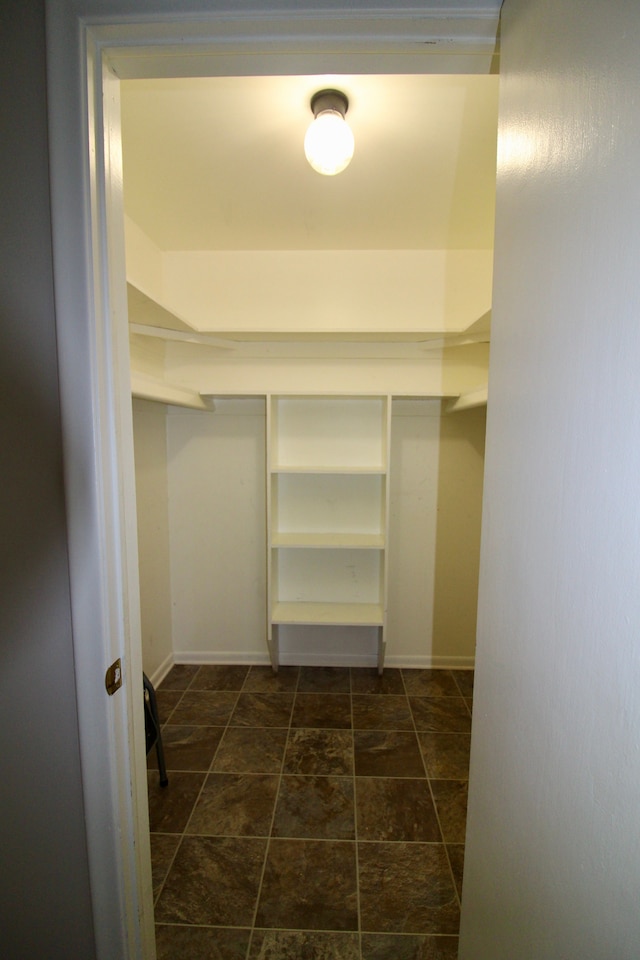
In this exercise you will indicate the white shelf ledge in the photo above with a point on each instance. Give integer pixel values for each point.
(146, 387)
(335, 614)
(376, 470)
(475, 398)
(340, 541)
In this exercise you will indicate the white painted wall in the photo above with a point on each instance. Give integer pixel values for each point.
(457, 536)
(152, 496)
(217, 523)
(217, 553)
(436, 496)
(370, 290)
(553, 853)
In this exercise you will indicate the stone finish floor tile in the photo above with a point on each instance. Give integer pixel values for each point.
(235, 805)
(372, 712)
(303, 945)
(387, 754)
(395, 810)
(251, 750)
(464, 679)
(451, 803)
(319, 752)
(180, 942)
(163, 849)
(430, 683)
(167, 700)
(170, 807)
(264, 680)
(207, 708)
(324, 680)
(262, 710)
(263, 830)
(441, 714)
(220, 677)
(406, 888)
(332, 711)
(309, 885)
(319, 808)
(378, 946)
(364, 680)
(179, 677)
(214, 881)
(188, 747)
(446, 755)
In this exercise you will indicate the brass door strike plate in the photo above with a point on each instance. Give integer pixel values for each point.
(113, 677)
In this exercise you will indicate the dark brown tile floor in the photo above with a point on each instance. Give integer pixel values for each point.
(313, 814)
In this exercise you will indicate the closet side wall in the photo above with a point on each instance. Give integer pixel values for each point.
(437, 465)
(150, 444)
(457, 540)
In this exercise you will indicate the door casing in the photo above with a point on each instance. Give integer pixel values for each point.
(90, 48)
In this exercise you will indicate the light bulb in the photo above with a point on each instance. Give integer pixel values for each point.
(328, 144)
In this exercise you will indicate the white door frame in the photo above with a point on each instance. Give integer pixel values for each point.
(91, 44)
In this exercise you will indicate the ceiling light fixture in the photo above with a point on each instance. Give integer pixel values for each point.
(328, 144)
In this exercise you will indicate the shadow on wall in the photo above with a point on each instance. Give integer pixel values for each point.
(457, 540)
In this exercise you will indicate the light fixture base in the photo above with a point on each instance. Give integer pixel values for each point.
(329, 100)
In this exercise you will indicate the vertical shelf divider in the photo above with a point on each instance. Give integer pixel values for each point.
(273, 645)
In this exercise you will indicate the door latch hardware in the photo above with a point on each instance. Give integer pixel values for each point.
(113, 677)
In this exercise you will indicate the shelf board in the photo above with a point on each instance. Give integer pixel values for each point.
(335, 614)
(339, 541)
(146, 387)
(467, 401)
(377, 470)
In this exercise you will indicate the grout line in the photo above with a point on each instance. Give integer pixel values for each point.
(435, 806)
(273, 818)
(215, 753)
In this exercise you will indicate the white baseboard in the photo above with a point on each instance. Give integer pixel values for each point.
(160, 672)
(203, 658)
(430, 662)
(315, 660)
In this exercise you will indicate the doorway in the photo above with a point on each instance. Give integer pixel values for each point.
(191, 537)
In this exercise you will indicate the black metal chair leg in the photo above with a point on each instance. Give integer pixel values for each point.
(153, 707)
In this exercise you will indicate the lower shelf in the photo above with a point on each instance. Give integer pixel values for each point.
(337, 614)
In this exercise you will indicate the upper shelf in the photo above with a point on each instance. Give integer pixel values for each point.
(150, 384)
(466, 401)
(298, 361)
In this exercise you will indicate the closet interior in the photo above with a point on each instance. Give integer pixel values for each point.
(309, 364)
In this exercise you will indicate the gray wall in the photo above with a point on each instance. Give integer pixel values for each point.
(44, 900)
(553, 854)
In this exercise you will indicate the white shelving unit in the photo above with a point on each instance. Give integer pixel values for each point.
(327, 513)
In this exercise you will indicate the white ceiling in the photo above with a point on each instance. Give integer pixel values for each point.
(218, 163)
